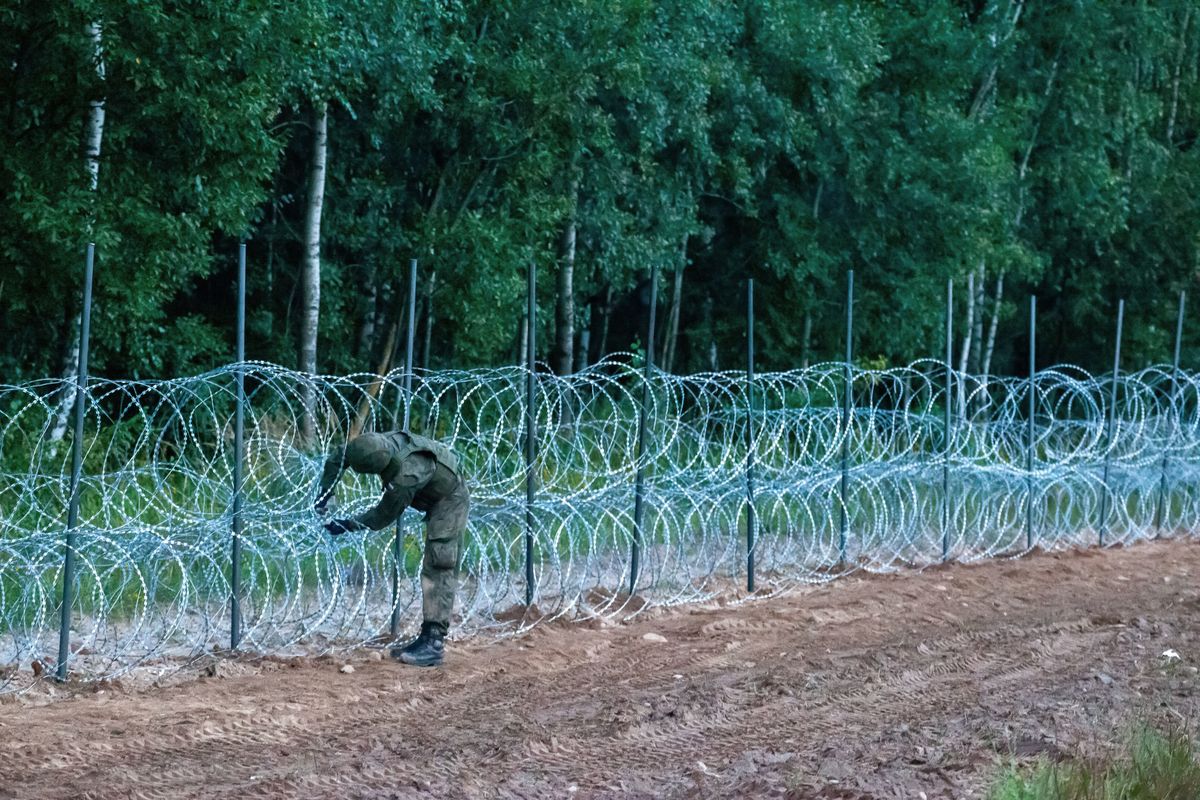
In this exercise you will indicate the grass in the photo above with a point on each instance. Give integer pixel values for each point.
(1157, 766)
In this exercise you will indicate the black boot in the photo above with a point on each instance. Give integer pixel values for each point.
(426, 650)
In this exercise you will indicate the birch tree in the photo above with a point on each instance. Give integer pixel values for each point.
(564, 295)
(93, 138)
(310, 276)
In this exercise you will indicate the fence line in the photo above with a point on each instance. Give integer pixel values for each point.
(151, 545)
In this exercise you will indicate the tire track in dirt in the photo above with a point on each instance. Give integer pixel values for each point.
(194, 736)
(913, 689)
(642, 745)
(221, 742)
(877, 682)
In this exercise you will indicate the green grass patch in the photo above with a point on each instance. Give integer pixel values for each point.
(1156, 766)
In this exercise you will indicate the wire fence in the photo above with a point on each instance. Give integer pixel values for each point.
(870, 480)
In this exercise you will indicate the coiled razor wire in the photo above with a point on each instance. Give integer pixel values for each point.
(153, 543)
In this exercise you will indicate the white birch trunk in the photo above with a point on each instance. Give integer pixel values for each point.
(95, 127)
(983, 94)
(990, 347)
(93, 137)
(523, 342)
(977, 333)
(564, 305)
(70, 374)
(1179, 56)
(966, 345)
(310, 279)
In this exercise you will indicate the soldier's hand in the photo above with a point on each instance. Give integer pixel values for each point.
(339, 526)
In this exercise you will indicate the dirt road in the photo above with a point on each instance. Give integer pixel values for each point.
(871, 687)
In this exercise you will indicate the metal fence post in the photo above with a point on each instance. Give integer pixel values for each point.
(846, 404)
(235, 568)
(948, 433)
(408, 382)
(750, 511)
(639, 500)
(1160, 509)
(1029, 440)
(68, 587)
(1112, 421)
(530, 428)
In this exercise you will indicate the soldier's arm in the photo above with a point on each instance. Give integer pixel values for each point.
(415, 472)
(329, 476)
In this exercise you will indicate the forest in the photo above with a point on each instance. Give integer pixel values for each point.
(1016, 147)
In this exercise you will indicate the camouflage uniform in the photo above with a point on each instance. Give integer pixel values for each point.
(421, 473)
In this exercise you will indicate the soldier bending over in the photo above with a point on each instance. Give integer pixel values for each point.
(424, 474)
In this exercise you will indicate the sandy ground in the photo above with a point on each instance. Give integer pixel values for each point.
(871, 687)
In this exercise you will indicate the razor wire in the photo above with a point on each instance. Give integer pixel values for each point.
(153, 543)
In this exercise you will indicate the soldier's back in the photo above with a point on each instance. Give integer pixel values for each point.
(406, 443)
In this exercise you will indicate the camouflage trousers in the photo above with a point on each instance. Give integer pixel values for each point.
(445, 524)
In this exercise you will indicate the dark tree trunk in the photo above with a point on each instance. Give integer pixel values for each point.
(364, 406)
(671, 339)
(806, 340)
(711, 327)
(581, 352)
(606, 308)
(365, 345)
(428, 338)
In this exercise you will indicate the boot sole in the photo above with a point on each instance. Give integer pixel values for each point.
(412, 662)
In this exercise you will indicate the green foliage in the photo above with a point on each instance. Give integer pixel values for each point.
(1157, 767)
(1053, 144)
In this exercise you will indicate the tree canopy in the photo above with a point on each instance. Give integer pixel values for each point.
(1016, 147)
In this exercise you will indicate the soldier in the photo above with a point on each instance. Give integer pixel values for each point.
(424, 474)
